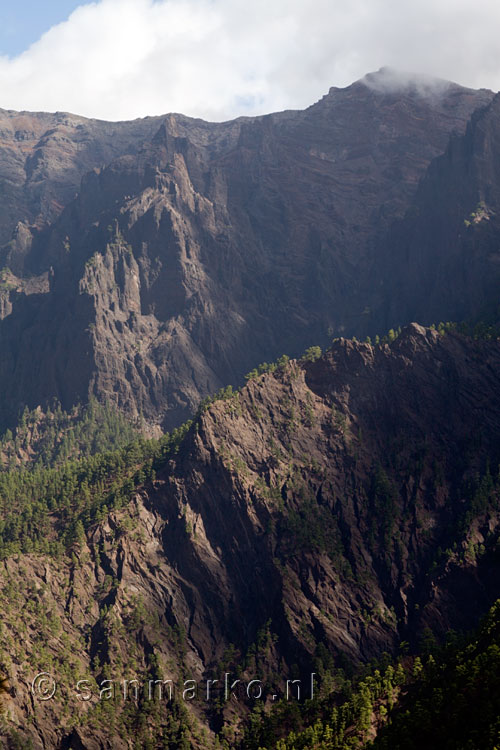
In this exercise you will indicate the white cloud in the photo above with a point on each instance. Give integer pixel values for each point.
(119, 59)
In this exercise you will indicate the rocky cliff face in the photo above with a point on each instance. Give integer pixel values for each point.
(44, 156)
(194, 250)
(333, 506)
(446, 247)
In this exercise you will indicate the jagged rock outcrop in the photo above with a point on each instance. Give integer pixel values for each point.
(330, 502)
(204, 248)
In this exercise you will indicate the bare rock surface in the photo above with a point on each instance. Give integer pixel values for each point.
(194, 250)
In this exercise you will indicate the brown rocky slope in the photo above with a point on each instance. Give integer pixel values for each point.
(331, 508)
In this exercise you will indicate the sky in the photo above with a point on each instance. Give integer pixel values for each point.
(22, 23)
(218, 59)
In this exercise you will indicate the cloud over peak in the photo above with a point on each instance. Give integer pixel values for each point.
(120, 59)
(391, 80)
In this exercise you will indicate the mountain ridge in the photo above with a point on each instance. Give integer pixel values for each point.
(208, 247)
(335, 510)
(360, 493)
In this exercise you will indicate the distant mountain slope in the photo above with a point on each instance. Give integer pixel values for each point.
(44, 156)
(202, 248)
(443, 258)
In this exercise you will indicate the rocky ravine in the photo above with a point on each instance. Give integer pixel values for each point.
(329, 502)
(194, 250)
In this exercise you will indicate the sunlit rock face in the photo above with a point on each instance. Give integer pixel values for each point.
(151, 262)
